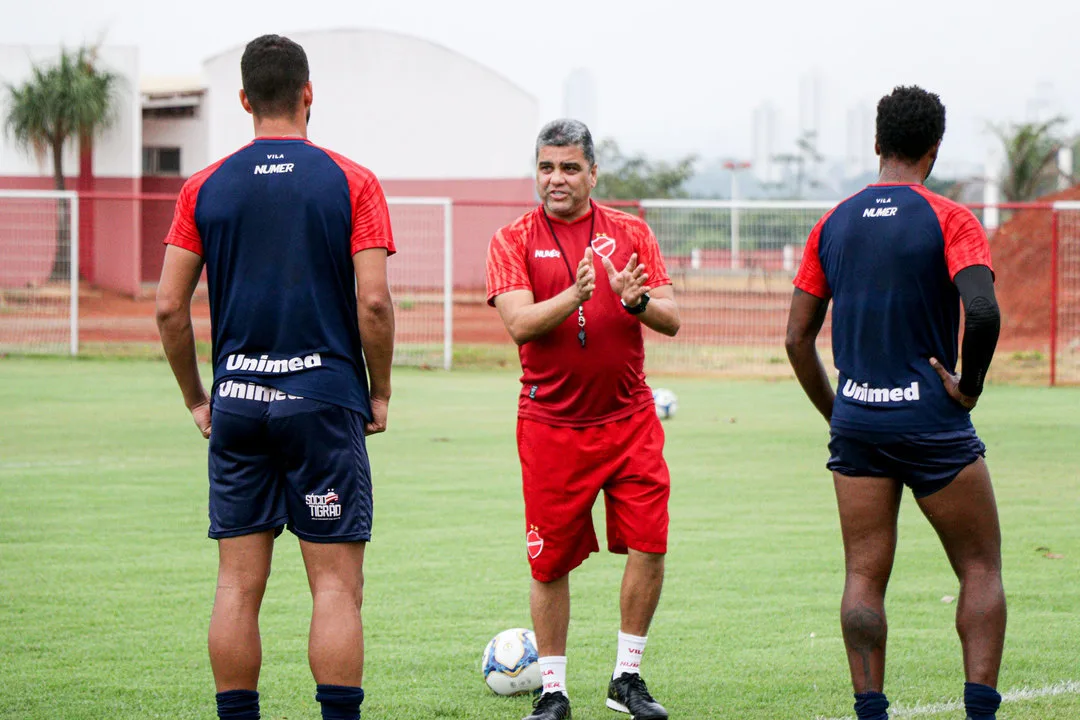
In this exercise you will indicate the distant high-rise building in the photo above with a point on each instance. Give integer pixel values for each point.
(809, 136)
(765, 143)
(579, 98)
(810, 102)
(859, 157)
(1044, 104)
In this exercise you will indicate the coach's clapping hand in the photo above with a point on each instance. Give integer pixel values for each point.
(200, 413)
(585, 281)
(379, 409)
(628, 283)
(952, 385)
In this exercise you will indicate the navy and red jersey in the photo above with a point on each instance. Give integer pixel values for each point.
(277, 223)
(563, 383)
(887, 258)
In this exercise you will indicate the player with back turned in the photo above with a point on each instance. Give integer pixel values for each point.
(294, 239)
(897, 261)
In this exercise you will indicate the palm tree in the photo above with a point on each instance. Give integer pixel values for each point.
(1030, 159)
(71, 98)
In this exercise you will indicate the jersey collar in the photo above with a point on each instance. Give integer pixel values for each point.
(560, 221)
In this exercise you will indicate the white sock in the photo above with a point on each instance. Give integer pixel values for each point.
(631, 648)
(553, 673)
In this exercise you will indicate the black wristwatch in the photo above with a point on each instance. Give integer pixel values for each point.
(640, 307)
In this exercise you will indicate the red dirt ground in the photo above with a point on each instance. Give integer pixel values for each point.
(1021, 251)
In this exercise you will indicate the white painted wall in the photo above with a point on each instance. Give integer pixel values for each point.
(401, 106)
(117, 151)
(190, 134)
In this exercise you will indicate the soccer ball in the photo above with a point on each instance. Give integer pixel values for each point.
(666, 403)
(511, 664)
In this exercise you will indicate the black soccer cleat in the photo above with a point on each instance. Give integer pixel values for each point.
(551, 706)
(627, 693)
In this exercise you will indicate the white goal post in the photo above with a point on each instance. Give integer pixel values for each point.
(422, 280)
(39, 272)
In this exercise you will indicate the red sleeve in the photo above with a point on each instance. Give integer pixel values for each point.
(965, 239)
(506, 264)
(648, 252)
(811, 276)
(183, 232)
(370, 215)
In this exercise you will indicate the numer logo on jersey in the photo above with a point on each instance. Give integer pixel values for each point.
(275, 169)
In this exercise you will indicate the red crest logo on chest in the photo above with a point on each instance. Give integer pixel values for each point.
(603, 245)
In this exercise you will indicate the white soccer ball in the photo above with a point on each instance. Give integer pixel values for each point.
(666, 403)
(511, 663)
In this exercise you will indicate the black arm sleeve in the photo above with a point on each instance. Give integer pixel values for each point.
(982, 324)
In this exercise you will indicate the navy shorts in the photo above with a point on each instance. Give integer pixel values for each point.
(278, 460)
(925, 462)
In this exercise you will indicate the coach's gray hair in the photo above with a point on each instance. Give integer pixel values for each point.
(564, 133)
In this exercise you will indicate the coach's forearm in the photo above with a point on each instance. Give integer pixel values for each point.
(376, 318)
(178, 340)
(662, 315)
(812, 376)
(535, 320)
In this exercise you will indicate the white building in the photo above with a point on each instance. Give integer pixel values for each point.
(427, 120)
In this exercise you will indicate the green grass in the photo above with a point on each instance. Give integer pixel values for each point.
(106, 576)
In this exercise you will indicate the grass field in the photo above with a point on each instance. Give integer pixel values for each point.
(106, 576)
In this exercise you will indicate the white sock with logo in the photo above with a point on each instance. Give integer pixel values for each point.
(553, 673)
(631, 648)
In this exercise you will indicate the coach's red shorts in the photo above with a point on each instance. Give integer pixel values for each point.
(564, 469)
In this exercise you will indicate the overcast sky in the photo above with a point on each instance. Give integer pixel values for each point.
(672, 76)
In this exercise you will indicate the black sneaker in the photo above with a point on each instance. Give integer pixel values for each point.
(627, 693)
(551, 706)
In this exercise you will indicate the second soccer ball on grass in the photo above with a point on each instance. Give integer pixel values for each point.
(666, 403)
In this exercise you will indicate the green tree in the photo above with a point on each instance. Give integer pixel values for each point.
(68, 99)
(634, 177)
(1030, 158)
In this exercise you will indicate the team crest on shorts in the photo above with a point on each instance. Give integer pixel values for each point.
(324, 507)
(534, 543)
(603, 245)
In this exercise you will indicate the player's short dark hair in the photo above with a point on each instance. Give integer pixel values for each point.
(273, 70)
(565, 133)
(910, 121)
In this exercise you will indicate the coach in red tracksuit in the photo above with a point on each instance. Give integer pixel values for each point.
(573, 283)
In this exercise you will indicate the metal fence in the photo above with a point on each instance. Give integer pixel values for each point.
(731, 263)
